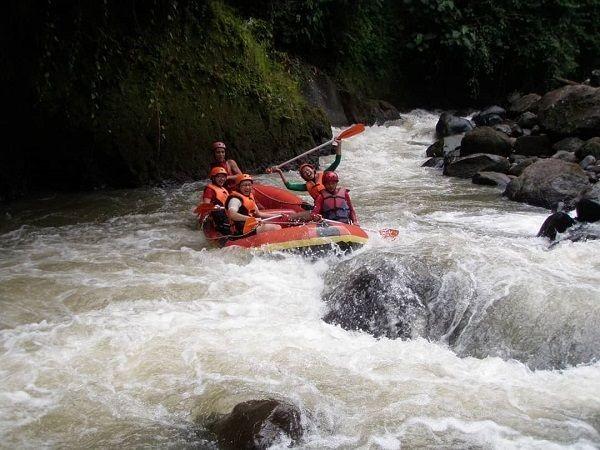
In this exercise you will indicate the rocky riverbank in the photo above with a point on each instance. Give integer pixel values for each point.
(541, 150)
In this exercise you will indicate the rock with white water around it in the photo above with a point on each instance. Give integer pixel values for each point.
(547, 182)
(466, 167)
(486, 140)
(258, 424)
(449, 125)
(555, 223)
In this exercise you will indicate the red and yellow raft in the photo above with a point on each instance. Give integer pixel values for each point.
(308, 236)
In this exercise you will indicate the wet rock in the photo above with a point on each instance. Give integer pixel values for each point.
(533, 146)
(571, 111)
(322, 92)
(444, 146)
(589, 147)
(468, 166)
(435, 162)
(367, 111)
(491, 179)
(527, 120)
(588, 204)
(589, 160)
(485, 140)
(555, 223)
(378, 297)
(569, 144)
(258, 424)
(518, 168)
(449, 125)
(503, 128)
(490, 116)
(523, 104)
(565, 156)
(547, 182)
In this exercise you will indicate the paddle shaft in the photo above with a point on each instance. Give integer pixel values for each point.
(318, 147)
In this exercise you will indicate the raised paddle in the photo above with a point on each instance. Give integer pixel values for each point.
(386, 233)
(348, 132)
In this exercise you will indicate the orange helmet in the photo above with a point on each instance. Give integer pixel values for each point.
(217, 171)
(330, 177)
(243, 177)
(218, 144)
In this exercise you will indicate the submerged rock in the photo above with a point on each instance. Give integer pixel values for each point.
(258, 424)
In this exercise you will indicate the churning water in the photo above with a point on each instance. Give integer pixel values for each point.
(119, 327)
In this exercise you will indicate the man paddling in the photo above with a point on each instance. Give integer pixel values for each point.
(334, 203)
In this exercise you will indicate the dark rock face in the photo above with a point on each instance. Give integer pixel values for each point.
(523, 104)
(533, 146)
(590, 147)
(485, 140)
(588, 161)
(555, 223)
(570, 144)
(588, 204)
(527, 120)
(367, 111)
(435, 162)
(518, 168)
(489, 116)
(571, 111)
(548, 182)
(379, 298)
(322, 92)
(258, 424)
(448, 125)
(491, 179)
(468, 166)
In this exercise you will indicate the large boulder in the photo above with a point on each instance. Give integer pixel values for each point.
(523, 104)
(571, 111)
(491, 179)
(527, 120)
(588, 204)
(568, 144)
(548, 182)
(519, 166)
(485, 140)
(533, 146)
(449, 124)
(557, 222)
(468, 166)
(258, 424)
(590, 147)
(489, 116)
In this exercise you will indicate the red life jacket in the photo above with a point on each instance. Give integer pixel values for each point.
(248, 208)
(315, 187)
(335, 206)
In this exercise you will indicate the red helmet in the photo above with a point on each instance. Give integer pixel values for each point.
(330, 177)
(217, 145)
(216, 171)
(243, 177)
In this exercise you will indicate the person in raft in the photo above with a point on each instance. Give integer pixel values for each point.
(312, 177)
(242, 210)
(221, 161)
(216, 194)
(333, 203)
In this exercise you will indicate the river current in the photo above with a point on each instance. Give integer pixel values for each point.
(120, 327)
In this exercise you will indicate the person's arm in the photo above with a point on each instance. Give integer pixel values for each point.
(353, 216)
(233, 211)
(207, 195)
(338, 157)
(295, 186)
(233, 167)
(280, 172)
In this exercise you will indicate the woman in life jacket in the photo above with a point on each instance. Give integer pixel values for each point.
(312, 177)
(334, 203)
(228, 164)
(243, 212)
(216, 194)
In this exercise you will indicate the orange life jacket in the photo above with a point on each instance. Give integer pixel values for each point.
(248, 208)
(221, 194)
(315, 187)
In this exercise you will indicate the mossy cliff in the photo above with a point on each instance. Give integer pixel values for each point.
(117, 95)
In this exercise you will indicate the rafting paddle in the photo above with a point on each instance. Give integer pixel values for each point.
(252, 223)
(204, 208)
(386, 233)
(348, 132)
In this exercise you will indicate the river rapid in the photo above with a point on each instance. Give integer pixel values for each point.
(120, 327)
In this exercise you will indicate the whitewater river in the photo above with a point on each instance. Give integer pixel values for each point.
(119, 328)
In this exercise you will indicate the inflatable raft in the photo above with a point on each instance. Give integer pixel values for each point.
(304, 237)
